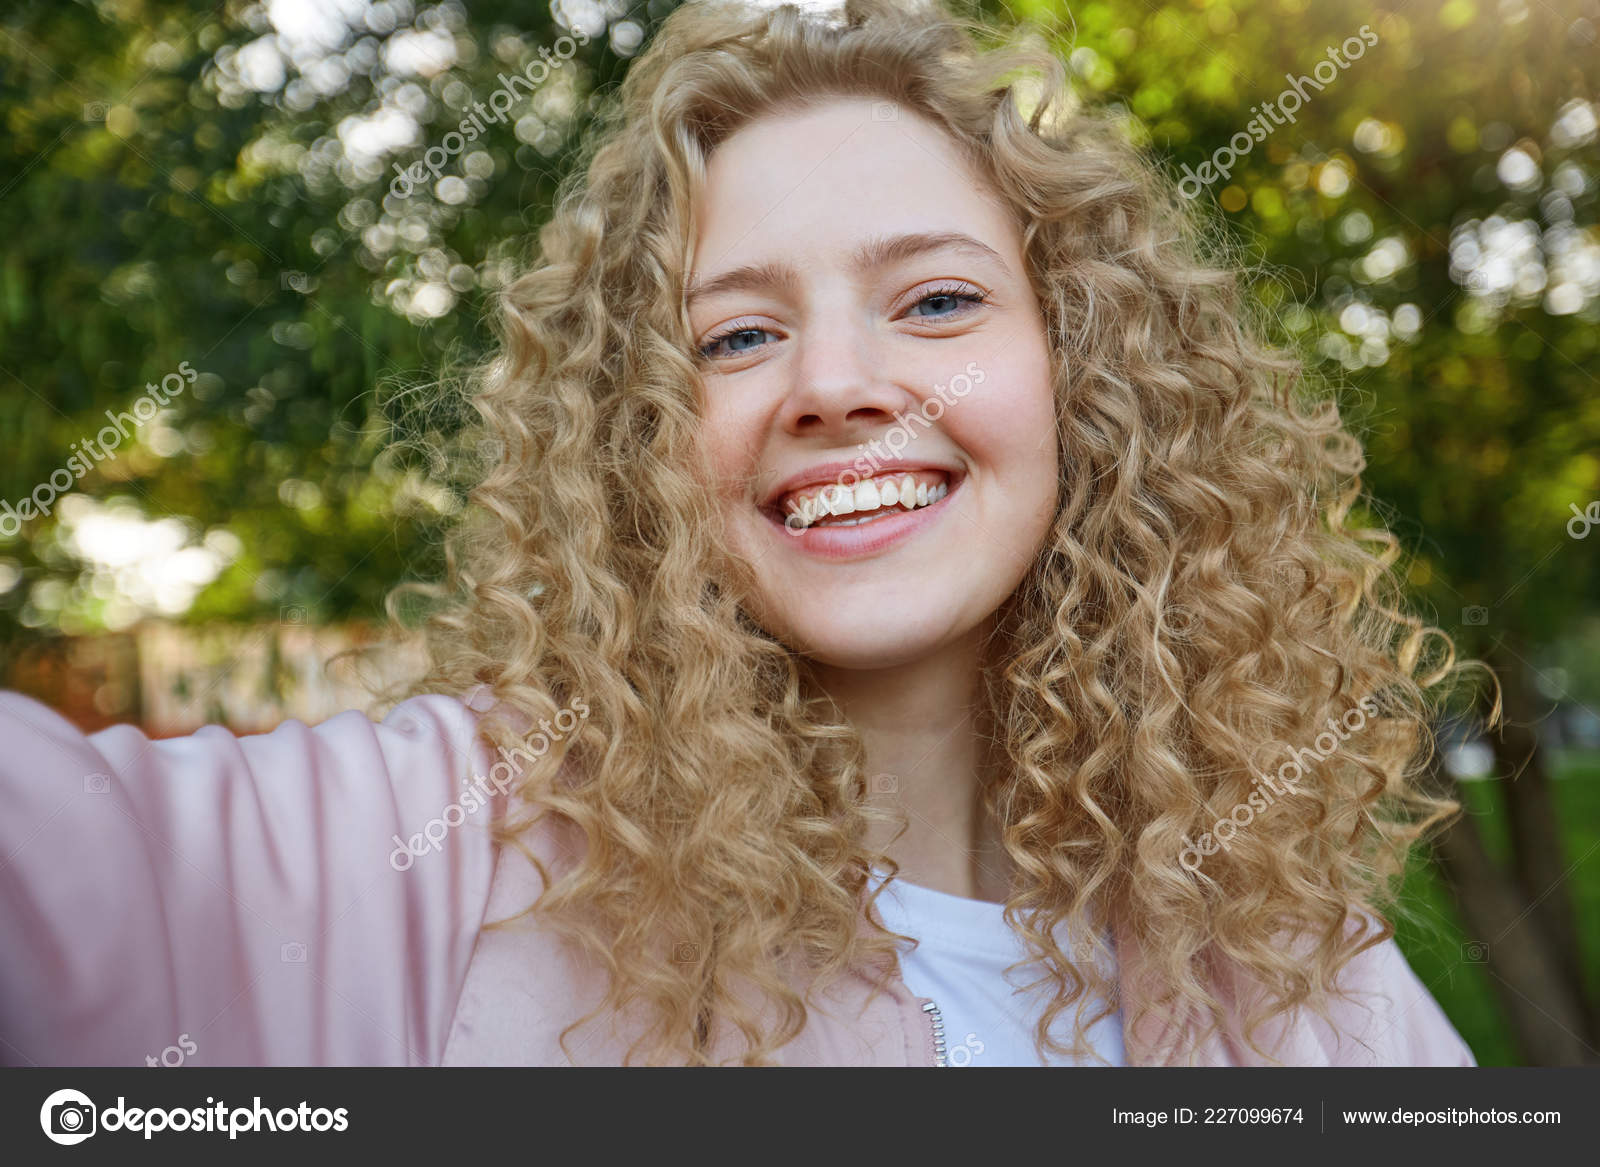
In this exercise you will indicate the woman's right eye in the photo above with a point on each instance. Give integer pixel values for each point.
(741, 338)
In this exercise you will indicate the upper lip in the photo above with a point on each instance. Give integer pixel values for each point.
(826, 472)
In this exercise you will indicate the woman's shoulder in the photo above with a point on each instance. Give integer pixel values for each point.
(1381, 1015)
(1386, 1016)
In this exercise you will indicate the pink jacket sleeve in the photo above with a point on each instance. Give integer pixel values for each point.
(1385, 1017)
(1391, 1019)
(237, 900)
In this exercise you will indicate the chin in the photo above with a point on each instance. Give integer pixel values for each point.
(863, 657)
(865, 643)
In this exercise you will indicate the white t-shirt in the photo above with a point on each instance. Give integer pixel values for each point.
(965, 946)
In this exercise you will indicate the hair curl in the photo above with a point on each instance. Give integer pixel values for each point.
(1199, 608)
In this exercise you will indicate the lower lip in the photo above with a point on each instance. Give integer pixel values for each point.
(863, 539)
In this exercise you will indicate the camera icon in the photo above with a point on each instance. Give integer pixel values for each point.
(884, 784)
(68, 1117)
(884, 111)
(1080, 950)
(95, 111)
(294, 281)
(685, 953)
(491, 450)
(1474, 952)
(1477, 614)
(292, 614)
(72, 1118)
(1181, 620)
(96, 783)
(292, 953)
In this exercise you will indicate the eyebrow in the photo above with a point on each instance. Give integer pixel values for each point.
(874, 253)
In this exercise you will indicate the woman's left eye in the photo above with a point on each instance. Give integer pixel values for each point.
(946, 302)
(739, 339)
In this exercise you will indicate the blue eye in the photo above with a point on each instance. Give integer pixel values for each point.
(739, 338)
(951, 297)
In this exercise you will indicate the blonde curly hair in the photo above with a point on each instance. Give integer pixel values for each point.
(1198, 609)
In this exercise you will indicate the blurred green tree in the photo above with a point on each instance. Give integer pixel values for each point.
(215, 188)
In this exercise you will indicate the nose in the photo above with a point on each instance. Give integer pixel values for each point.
(841, 384)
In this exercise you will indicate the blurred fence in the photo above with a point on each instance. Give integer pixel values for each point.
(171, 679)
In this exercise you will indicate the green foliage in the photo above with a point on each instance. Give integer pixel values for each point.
(186, 182)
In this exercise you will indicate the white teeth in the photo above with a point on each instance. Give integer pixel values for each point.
(871, 497)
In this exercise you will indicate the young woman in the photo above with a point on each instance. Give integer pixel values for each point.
(895, 523)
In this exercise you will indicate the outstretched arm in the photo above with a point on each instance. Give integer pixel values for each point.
(243, 895)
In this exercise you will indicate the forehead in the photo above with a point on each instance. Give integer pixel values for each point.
(830, 175)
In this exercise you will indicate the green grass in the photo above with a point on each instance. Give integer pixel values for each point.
(1429, 930)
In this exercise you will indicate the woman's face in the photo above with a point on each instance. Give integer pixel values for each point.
(869, 334)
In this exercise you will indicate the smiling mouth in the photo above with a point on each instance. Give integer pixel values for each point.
(871, 499)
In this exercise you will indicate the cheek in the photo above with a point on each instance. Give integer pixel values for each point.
(729, 448)
(1010, 420)
(1011, 431)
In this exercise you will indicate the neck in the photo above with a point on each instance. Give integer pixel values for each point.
(927, 757)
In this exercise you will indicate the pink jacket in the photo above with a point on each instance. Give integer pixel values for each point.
(241, 900)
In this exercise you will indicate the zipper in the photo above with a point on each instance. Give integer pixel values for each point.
(935, 1030)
